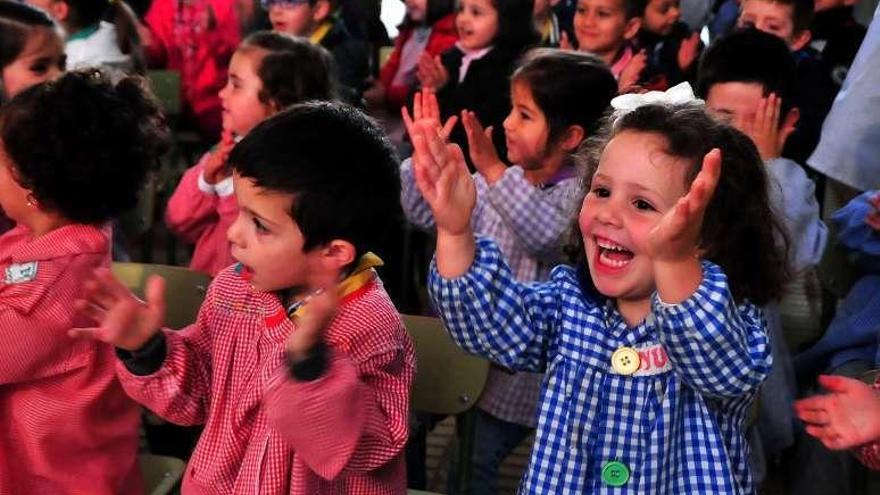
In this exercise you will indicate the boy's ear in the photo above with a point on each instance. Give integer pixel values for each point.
(337, 254)
(800, 40)
(59, 10)
(632, 28)
(321, 11)
(572, 137)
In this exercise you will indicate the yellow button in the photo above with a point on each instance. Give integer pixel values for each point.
(625, 361)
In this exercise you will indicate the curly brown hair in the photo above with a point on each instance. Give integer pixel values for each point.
(741, 232)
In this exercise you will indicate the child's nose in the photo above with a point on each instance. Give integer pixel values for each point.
(606, 213)
(233, 233)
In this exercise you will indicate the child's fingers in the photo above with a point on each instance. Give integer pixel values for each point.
(407, 120)
(448, 126)
(422, 158)
(840, 384)
(92, 333)
(430, 105)
(89, 310)
(816, 417)
(417, 105)
(154, 293)
(707, 180)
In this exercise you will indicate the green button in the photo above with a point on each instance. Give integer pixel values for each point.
(615, 473)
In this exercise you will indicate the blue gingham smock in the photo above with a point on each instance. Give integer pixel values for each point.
(679, 431)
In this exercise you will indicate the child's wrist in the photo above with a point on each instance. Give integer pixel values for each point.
(677, 279)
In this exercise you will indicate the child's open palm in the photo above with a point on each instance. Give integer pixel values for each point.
(482, 150)
(677, 235)
(431, 73)
(122, 319)
(764, 128)
(846, 417)
(215, 166)
(315, 316)
(443, 178)
(688, 50)
(426, 113)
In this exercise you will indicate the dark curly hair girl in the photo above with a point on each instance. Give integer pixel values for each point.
(741, 233)
(82, 144)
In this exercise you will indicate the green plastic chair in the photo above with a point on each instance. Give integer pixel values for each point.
(448, 381)
(184, 289)
(161, 473)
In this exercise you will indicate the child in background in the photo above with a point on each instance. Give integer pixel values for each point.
(790, 20)
(91, 40)
(607, 29)
(197, 38)
(474, 75)
(298, 363)
(525, 208)
(31, 50)
(672, 49)
(317, 20)
(268, 73)
(749, 79)
(428, 28)
(547, 23)
(654, 346)
(67, 426)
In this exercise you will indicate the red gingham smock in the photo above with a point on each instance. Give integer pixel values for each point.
(267, 434)
(66, 425)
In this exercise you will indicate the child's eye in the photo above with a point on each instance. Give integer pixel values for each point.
(641, 204)
(601, 192)
(259, 226)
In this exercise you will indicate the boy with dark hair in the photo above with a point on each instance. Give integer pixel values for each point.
(298, 363)
(318, 21)
(749, 78)
(790, 20)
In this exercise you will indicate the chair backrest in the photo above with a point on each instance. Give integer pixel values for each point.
(184, 288)
(161, 473)
(448, 381)
(166, 86)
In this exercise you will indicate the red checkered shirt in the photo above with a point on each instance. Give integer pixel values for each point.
(870, 454)
(266, 433)
(66, 425)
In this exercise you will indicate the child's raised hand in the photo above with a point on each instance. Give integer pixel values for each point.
(677, 236)
(564, 42)
(426, 113)
(431, 73)
(484, 156)
(846, 417)
(443, 179)
(764, 128)
(630, 74)
(122, 319)
(314, 317)
(873, 217)
(215, 166)
(688, 50)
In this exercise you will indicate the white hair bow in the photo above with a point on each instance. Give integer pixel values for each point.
(681, 93)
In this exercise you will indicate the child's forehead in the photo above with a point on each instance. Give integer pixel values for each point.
(782, 10)
(610, 4)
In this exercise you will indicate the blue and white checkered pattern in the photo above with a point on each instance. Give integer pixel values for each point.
(678, 432)
(530, 225)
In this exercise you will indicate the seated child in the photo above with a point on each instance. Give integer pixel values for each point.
(654, 347)
(298, 364)
(848, 417)
(748, 79)
(315, 19)
(474, 75)
(607, 29)
(429, 27)
(672, 49)
(854, 333)
(547, 23)
(268, 73)
(68, 426)
(790, 20)
(31, 51)
(197, 38)
(99, 33)
(525, 208)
